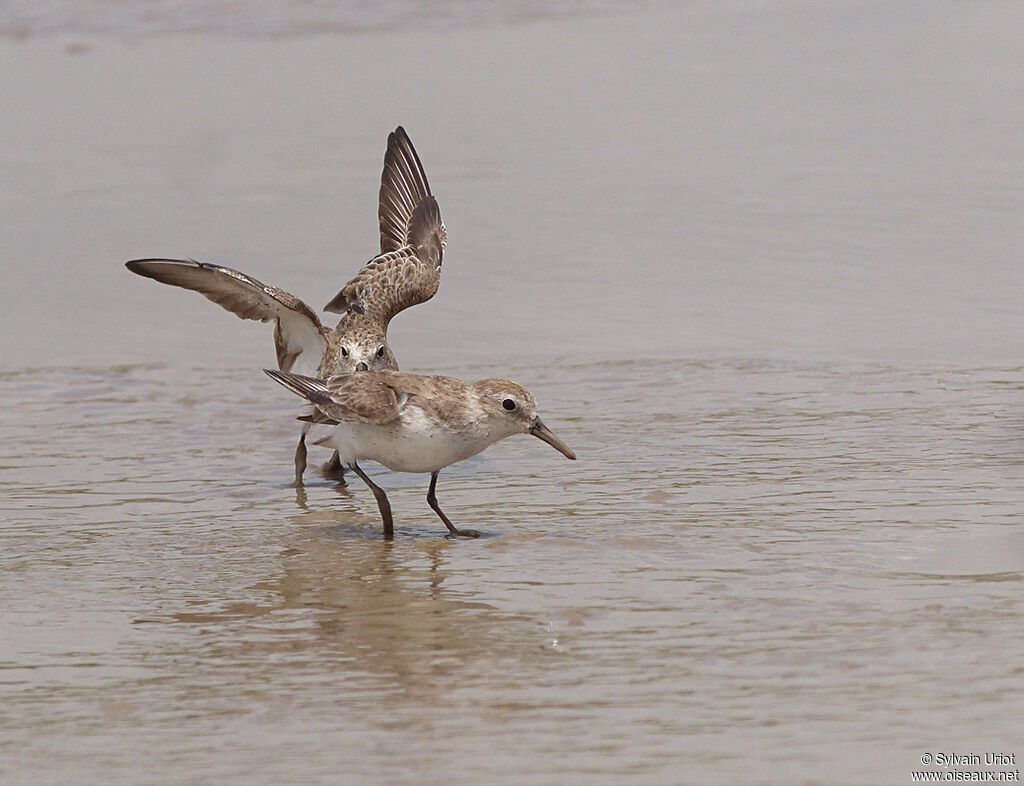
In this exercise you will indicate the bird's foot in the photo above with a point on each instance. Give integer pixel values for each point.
(334, 470)
(463, 533)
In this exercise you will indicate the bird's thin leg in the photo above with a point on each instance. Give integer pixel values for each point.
(382, 501)
(432, 501)
(300, 459)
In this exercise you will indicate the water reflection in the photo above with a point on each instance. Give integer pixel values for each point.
(342, 601)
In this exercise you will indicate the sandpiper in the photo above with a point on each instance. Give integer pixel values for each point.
(412, 423)
(405, 273)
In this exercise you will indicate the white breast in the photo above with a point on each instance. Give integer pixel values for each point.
(415, 443)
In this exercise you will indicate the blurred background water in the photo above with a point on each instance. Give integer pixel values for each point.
(759, 262)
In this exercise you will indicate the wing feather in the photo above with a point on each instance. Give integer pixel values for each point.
(403, 185)
(413, 238)
(298, 333)
(387, 284)
(361, 397)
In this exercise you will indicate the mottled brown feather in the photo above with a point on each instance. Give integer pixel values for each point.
(297, 327)
(389, 284)
(413, 236)
(240, 294)
(434, 395)
(362, 396)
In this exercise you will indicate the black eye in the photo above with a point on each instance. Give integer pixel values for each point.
(508, 404)
(344, 352)
(380, 351)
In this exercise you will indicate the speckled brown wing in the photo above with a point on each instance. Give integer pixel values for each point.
(388, 284)
(347, 397)
(365, 396)
(413, 237)
(443, 400)
(298, 332)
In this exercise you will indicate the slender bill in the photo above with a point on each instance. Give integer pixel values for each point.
(539, 430)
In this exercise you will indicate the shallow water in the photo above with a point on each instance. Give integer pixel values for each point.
(759, 265)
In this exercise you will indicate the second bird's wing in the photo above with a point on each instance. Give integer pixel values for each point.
(298, 333)
(403, 186)
(412, 241)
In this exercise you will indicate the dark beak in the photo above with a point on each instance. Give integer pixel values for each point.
(539, 430)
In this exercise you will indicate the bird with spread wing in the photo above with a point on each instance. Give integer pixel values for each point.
(405, 273)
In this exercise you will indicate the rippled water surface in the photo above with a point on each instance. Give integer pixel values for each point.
(760, 267)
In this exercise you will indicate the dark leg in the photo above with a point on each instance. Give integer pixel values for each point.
(334, 469)
(432, 501)
(300, 460)
(382, 501)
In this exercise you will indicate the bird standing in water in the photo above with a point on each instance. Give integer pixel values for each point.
(412, 423)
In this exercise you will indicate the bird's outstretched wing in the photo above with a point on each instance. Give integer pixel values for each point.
(412, 240)
(403, 185)
(346, 397)
(298, 333)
